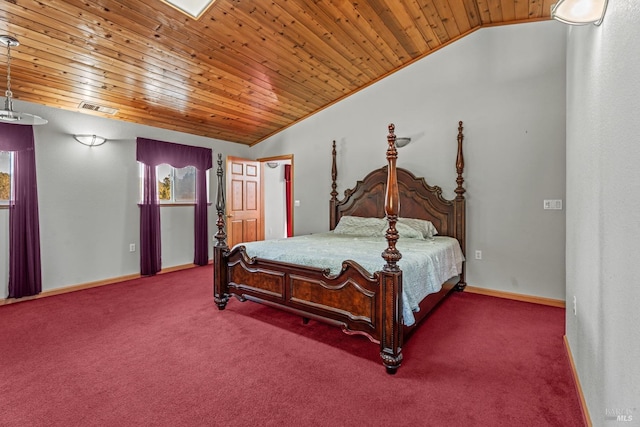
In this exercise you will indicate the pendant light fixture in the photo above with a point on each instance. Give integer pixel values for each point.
(8, 115)
(579, 12)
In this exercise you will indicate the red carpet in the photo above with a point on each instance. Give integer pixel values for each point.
(156, 351)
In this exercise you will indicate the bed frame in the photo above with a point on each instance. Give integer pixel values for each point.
(355, 300)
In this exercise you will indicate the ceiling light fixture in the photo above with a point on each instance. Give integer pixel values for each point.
(90, 140)
(272, 165)
(579, 12)
(8, 115)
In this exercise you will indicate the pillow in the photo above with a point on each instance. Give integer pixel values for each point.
(408, 228)
(407, 232)
(360, 226)
(426, 228)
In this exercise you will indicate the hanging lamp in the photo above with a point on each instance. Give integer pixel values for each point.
(579, 12)
(8, 115)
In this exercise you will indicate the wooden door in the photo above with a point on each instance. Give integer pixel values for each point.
(244, 218)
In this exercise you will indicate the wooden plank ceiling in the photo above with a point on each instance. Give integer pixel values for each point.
(244, 71)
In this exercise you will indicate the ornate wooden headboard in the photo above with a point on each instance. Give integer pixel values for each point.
(417, 198)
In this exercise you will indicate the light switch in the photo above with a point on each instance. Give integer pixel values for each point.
(553, 204)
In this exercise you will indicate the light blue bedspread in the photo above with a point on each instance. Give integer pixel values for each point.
(425, 264)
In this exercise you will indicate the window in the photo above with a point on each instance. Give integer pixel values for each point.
(6, 166)
(175, 185)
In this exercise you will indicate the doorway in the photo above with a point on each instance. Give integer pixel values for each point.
(277, 200)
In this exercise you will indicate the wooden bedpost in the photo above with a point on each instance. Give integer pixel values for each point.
(392, 204)
(220, 250)
(459, 205)
(334, 193)
(391, 275)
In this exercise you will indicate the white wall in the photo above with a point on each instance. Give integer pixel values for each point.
(603, 205)
(88, 199)
(508, 86)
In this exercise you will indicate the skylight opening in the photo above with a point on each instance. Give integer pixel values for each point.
(192, 8)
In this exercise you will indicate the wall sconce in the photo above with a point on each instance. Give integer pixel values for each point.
(401, 142)
(579, 12)
(272, 165)
(90, 140)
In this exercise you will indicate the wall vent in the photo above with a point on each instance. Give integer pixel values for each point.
(99, 108)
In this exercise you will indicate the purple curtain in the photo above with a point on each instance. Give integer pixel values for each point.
(24, 230)
(201, 253)
(150, 244)
(153, 153)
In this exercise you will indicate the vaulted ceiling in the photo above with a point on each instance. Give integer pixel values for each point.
(245, 70)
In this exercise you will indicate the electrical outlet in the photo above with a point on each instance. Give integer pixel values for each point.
(132, 247)
(478, 254)
(575, 306)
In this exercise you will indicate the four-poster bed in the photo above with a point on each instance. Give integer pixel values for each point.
(360, 301)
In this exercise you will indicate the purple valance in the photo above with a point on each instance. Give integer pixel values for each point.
(15, 137)
(154, 153)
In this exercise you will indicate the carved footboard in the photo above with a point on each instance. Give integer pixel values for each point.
(354, 300)
(347, 300)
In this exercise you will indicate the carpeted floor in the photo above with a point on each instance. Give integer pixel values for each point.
(156, 351)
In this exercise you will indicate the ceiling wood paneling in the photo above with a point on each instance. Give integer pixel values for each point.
(244, 71)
